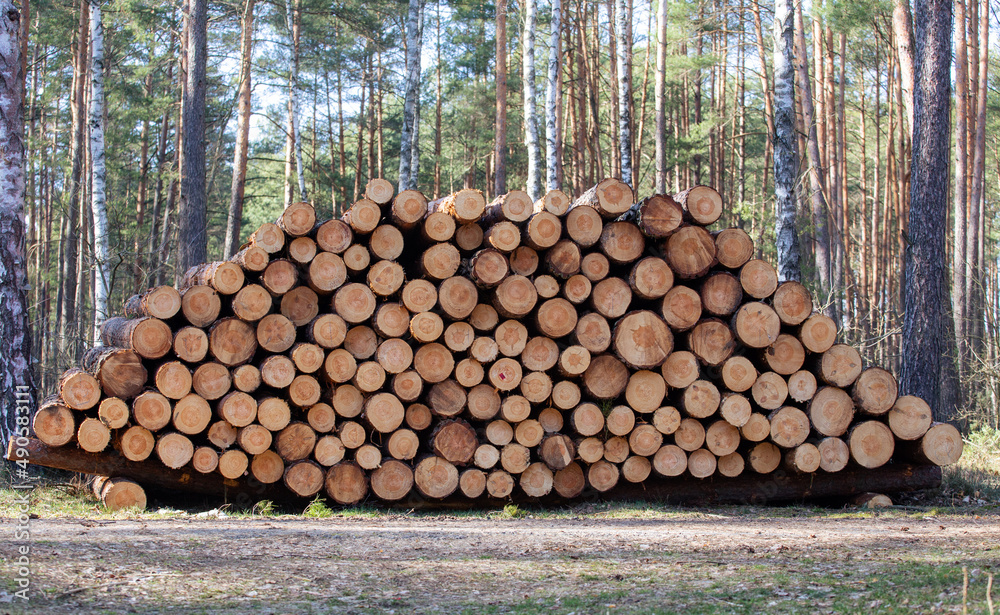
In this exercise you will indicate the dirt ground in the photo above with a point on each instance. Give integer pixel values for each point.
(740, 561)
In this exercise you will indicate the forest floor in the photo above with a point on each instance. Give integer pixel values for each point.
(186, 557)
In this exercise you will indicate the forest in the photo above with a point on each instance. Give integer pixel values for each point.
(305, 101)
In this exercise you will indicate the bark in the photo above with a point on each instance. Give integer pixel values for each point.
(660, 98)
(785, 162)
(500, 149)
(98, 196)
(534, 183)
(960, 194)
(192, 241)
(974, 280)
(902, 35)
(927, 344)
(552, 158)
(408, 179)
(622, 27)
(235, 217)
(15, 332)
(293, 18)
(140, 203)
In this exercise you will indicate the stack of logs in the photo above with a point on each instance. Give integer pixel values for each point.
(460, 346)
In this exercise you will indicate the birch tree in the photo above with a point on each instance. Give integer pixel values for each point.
(622, 28)
(500, 145)
(552, 161)
(292, 21)
(408, 180)
(534, 187)
(785, 162)
(242, 148)
(16, 381)
(98, 173)
(660, 97)
(192, 240)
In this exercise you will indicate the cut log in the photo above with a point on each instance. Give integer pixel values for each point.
(469, 372)
(701, 204)
(511, 338)
(277, 371)
(275, 333)
(595, 267)
(731, 465)
(910, 418)
(368, 456)
(469, 237)
(701, 399)
(557, 318)
(789, 427)
(657, 216)
(546, 286)
(458, 336)
(769, 391)
(616, 449)
(503, 236)
(363, 216)
(557, 451)
(702, 463)
(642, 340)
(875, 391)
(268, 467)
(433, 362)
(221, 434)
(212, 380)
(733, 247)
(610, 198)
(499, 484)
(205, 460)
(391, 320)
(833, 454)
(483, 402)
(151, 410)
(393, 480)
(570, 481)
(565, 395)
(505, 374)
(440, 261)
(348, 401)
(379, 190)
(620, 421)
(174, 450)
(93, 436)
(354, 302)
(308, 358)
(764, 458)
(224, 276)
(297, 219)
(536, 387)
(577, 289)
(786, 355)
(81, 391)
(645, 440)
(252, 259)
(447, 398)
(711, 340)
(327, 272)
(334, 236)
(232, 341)
(361, 342)
(735, 409)
(514, 206)
(488, 267)
(802, 386)
(871, 444)
(645, 391)
(394, 355)
(593, 333)
(818, 333)
(238, 408)
(590, 450)
(831, 411)
(149, 337)
(563, 259)
(690, 435)
(385, 278)
(346, 483)
(296, 441)
(408, 208)
(680, 369)
(321, 417)
(251, 303)
(583, 225)
(191, 414)
(554, 201)
(438, 226)
(356, 259)
(269, 238)
(622, 242)
(840, 365)
(721, 294)
(487, 456)
(280, 277)
(606, 377)
(113, 412)
(756, 325)
(758, 278)
(670, 460)
(161, 302)
(611, 297)
(690, 252)
(803, 459)
(536, 480)
(681, 308)
(340, 366)
(464, 206)
(738, 374)
(499, 433)
(529, 433)
(515, 297)
(135, 443)
(304, 391)
(587, 419)
(352, 435)
(792, 302)
(757, 428)
(435, 477)
(302, 250)
(120, 494)
(941, 445)
(651, 278)
(403, 444)
(543, 231)
(457, 297)
(407, 385)
(190, 344)
(602, 476)
(426, 327)
(273, 413)
(523, 261)
(667, 420)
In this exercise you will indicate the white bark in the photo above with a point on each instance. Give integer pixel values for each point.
(552, 103)
(660, 99)
(293, 99)
(534, 187)
(415, 150)
(785, 162)
(98, 195)
(624, 90)
(407, 178)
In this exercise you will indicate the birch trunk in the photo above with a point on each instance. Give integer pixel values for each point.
(660, 97)
(15, 336)
(415, 150)
(235, 217)
(624, 45)
(534, 187)
(294, 143)
(98, 195)
(500, 148)
(785, 163)
(406, 181)
(552, 162)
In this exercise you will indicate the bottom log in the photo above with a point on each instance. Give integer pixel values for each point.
(749, 487)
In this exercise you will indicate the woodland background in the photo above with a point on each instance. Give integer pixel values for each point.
(318, 92)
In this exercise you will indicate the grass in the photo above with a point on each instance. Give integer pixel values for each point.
(977, 475)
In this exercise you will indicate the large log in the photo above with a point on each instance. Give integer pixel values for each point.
(150, 337)
(119, 370)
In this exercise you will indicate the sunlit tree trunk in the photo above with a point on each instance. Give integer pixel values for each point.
(98, 173)
(242, 147)
(622, 28)
(552, 161)
(408, 180)
(192, 236)
(660, 97)
(785, 163)
(500, 147)
(534, 183)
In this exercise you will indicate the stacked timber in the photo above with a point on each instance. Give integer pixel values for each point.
(464, 347)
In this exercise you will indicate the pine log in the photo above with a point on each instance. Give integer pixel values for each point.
(620, 420)
(435, 477)
(764, 458)
(536, 387)
(645, 391)
(438, 226)
(546, 286)
(523, 261)
(733, 247)
(135, 443)
(833, 454)
(681, 308)
(667, 420)
(408, 209)
(486, 457)
(602, 476)
(221, 434)
(792, 302)
(642, 340)
(340, 366)
(570, 481)
(251, 303)
(304, 391)
(610, 197)
(426, 327)
(237, 408)
(346, 483)
(536, 480)
(505, 374)
(651, 278)
(457, 297)
(670, 461)
(458, 336)
(941, 445)
(174, 450)
(354, 303)
(606, 377)
(161, 302)
(151, 410)
(700, 399)
(565, 395)
(363, 216)
(840, 365)
(909, 418)
(251, 259)
(78, 389)
(731, 465)
(645, 440)
(529, 433)
(577, 289)
(232, 341)
(584, 226)
(356, 259)
(756, 325)
(590, 450)
(433, 362)
(191, 414)
(711, 340)
(379, 190)
(818, 333)
(368, 456)
(681, 369)
(802, 386)
(150, 337)
(769, 391)
(327, 273)
(735, 409)
(592, 332)
(690, 435)
(403, 444)
(551, 420)
(803, 459)
(786, 355)
(268, 237)
(557, 451)
(611, 297)
(302, 250)
(190, 344)
(721, 294)
(385, 278)
(503, 236)
(93, 436)
(511, 337)
(361, 342)
(656, 216)
(348, 401)
(268, 467)
(875, 391)
(334, 236)
(225, 277)
(120, 493)
(702, 463)
(738, 374)
(515, 297)
(701, 204)
(447, 398)
(296, 441)
(352, 435)
(279, 277)
(394, 355)
(488, 267)
(499, 432)
(206, 460)
(758, 278)
(211, 380)
(393, 480)
(273, 413)
(297, 219)
(871, 444)
(690, 252)
(113, 412)
(595, 267)
(321, 417)
(469, 237)
(587, 419)
(407, 385)
(464, 206)
(499, 484)
(622, 242)
(543, 231)
(789, 427)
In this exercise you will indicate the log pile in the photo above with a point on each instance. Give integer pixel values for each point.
(458, 347)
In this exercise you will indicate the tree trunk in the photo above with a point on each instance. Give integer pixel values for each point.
(553, 163)
(902, 34)
(927, 344)
(235, 217)
(192, 246)
(660, 185)
(15, 334)
(624, 44)
(140, 202)
(407, 179)
(960, 193)
(98, 196)
(534, 182)
(785, 162)
(974, 280)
